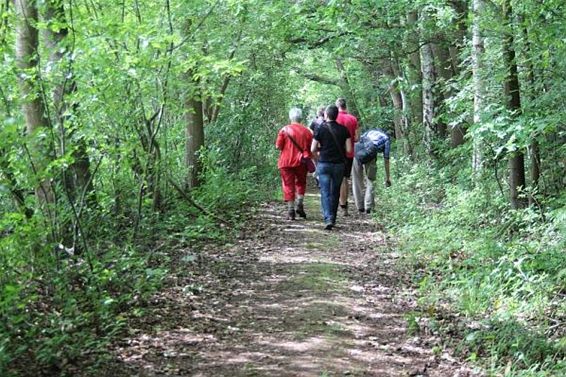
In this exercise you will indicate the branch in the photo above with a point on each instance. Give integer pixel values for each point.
(320, 42)
(227, 78)
(190, 34)
(195, 204)
(318, 78)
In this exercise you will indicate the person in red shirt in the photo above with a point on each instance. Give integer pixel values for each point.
(351, 123)
(294, 141)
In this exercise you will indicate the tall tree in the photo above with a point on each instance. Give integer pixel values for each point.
(534, 148)
(194, 131)
(513, 102)
(399, 99)
(429, 104)
(34, 110)
(413, 68)
(458, 131)
(478, 52)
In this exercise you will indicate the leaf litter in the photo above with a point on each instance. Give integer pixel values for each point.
(285, 299)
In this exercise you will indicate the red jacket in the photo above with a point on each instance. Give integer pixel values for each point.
(290, 155)
(351, 123)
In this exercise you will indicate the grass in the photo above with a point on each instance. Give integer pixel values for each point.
(317, 277)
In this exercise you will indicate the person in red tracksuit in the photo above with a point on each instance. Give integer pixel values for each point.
(293, 173)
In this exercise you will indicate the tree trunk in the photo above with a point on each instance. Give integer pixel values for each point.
(429, 104)
(27, 57)
(414, 75)
(398, 109)
(461, 9)
(194, 134)
(534, 150)
(78, 179)
(478, 51)
(535, 164)
(447, 72)
(399, 100)
(512, 94)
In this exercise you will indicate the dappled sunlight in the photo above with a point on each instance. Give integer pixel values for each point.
(296, 256)
(299, 302)
(297, 346)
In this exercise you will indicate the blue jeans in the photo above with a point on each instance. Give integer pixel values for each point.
(330, 177)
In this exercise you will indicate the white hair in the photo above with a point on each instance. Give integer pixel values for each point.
(295, 114)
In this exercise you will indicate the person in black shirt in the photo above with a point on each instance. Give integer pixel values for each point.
(332, 141)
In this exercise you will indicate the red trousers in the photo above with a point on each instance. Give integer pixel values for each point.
(294, 181)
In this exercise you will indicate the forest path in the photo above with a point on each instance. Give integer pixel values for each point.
(287, 299)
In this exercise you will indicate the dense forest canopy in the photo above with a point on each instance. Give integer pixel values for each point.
(125, 123)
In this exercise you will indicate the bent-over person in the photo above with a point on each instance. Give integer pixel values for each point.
(364, 168)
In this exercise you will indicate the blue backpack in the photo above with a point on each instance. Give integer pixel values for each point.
(366, 149)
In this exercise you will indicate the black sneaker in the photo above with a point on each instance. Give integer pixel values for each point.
(344, 209)
(328, 226)
(361, 210)
(291, 214)
(368, 211)
(301, 211)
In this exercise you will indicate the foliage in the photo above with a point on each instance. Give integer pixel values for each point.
(128, 71)
(502, 270)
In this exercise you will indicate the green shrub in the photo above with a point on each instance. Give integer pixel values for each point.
(498, 268)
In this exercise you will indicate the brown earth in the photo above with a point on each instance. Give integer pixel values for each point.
(286, 299)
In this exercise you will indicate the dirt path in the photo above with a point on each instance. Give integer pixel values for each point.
(287, 299)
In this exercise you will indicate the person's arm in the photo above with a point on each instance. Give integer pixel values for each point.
(386, 151)
(387, 176)
(314, 149)
(310, 139)
(348, 145)
(280, 140)
(357, 133)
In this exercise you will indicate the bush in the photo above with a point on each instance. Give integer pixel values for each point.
(501, 270)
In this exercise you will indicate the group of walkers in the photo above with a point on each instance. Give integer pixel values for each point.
(333, 141)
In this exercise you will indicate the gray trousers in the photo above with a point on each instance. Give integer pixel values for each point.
(363, 177)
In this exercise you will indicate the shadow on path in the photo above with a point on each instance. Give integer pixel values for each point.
(287, 299)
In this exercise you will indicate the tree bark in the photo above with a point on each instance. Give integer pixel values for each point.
(458, 131)
(27, 58)
(443, 62)
(194, 134)
(429, 104)
(399, 99)
(534, 149)
(478, 51)
(461, 9)
(414, 74)
(512, 94)
(447, 71)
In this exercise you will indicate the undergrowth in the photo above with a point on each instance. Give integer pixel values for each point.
(61, 307)
(500, 272)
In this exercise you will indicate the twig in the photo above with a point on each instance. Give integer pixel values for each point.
(196, 205)
(190, 34)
